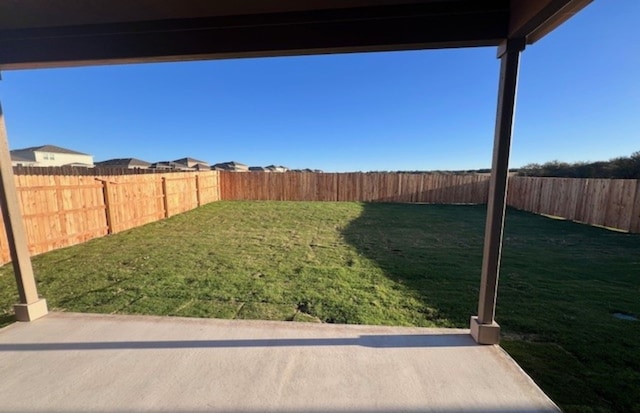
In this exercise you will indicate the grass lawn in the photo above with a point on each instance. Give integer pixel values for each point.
(377, 264)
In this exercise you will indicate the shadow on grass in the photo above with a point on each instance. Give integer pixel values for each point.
(434, 252)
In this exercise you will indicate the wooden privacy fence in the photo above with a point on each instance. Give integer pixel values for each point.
(613, 203)
(60, 211)
(372, 187)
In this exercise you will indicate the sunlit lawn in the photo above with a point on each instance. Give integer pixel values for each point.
(376, 264)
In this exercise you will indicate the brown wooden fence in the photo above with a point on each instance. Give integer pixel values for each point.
(61, 211)
(375, 187)
(613, 203)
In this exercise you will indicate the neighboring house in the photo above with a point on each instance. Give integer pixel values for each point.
(231, 166)
(193, 163)
(306, 170)
(161, 165)
(168, 165)
(51, 155)
(126, 163)
(258, 169)
(20, 161)
(201, 167)
(277, 168)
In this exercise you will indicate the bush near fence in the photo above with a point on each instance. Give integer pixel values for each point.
(60, 211)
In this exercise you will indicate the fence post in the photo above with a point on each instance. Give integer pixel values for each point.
(165, 197)
(198, 190)
(218, 190)
(108, 204)
(635, 210)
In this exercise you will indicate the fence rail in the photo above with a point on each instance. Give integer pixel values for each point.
(60, 211)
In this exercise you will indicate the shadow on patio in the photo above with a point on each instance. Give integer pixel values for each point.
(373, 341)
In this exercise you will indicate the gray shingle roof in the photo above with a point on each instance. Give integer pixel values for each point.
(51, 148)
(186, 161)
(231, 164)
(125, 162)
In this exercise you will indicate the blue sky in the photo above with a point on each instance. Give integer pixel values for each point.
(579, 99)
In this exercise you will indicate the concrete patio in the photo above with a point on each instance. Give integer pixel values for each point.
(67, 362)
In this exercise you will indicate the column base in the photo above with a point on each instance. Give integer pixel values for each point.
(485, 333)
(30, 312)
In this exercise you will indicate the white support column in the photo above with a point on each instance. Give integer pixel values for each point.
(484, 329)
(30, 307)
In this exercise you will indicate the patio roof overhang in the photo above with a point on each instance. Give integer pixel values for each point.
(60, 33)
(55, 33)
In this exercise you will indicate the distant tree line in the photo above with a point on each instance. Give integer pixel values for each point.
(624, 167)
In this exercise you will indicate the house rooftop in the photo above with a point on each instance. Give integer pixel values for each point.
(50, 148)
(231, 163)
(124, 162)
(190, 160)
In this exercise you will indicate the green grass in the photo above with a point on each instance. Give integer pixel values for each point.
(377, 264)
